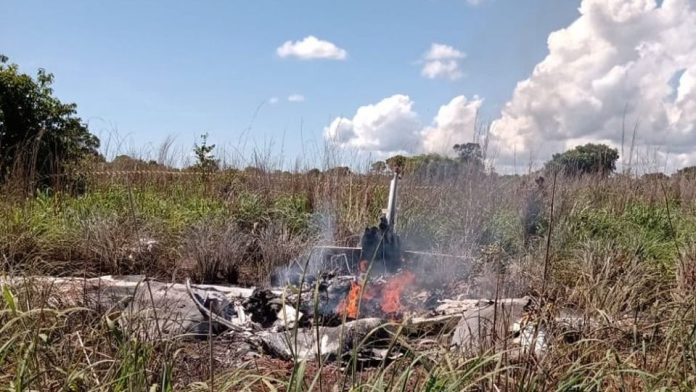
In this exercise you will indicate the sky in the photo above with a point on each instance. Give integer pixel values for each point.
(287, 81)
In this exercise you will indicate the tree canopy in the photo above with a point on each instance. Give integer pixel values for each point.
(378, 167)
(40, 136)
(469, 160)
(205, 159)
(586, 159)
(470, 154)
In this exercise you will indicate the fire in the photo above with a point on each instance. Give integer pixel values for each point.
(349, 305)
(389, 295)
(391, 292)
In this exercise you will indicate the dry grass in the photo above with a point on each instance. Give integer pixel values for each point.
(621, 254)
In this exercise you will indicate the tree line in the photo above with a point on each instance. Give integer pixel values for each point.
(43, 139)
(593, 159)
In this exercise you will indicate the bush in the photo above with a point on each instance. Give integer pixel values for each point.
(250, 210)
(293, 212)
(588, 159)
(40, 136)
(215, 250)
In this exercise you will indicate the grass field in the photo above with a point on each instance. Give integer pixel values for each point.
(619, 247)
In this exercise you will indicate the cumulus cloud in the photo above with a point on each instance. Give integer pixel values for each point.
(310, 48)
(391, 126)
(296, 98)
(621, 61)
(442, 61)
(387, 126)
(455, 123)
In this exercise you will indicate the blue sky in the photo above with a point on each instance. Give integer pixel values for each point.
(152, 69)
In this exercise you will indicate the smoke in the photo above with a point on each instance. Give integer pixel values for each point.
(307, 267)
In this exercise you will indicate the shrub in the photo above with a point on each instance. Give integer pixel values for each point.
(249, 210)
(588, 159)
(40, 136)
(214, 251)
(293, 212)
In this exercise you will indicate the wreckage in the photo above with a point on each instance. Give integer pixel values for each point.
(372, 302)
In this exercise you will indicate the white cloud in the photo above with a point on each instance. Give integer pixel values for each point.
(296, 98)
(455, 123)
(442, 68)
(273, 100)
(387, 126)
(392, 126)
(474, 2)
(442, 61)
(621, 59)
(443, 52)
(311, 48)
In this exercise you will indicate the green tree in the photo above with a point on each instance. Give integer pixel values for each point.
(125, 162)
(40, 136)
(587, 159)
(469, 153)
(397, 162)
(426, 166)
(338, 171)
(378, 167)
(205, 159)
(314, 172)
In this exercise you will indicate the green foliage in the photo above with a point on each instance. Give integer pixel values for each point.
(427, 166)
(55, 232)
(642, 229)
(503, 229)
(397, 162)
(293, 211)
(435, 167)
(177, 209)
(249, 210)
(470, 155)
(40, 136)
(587, 159)
(205, 159)
(378, 167)
(610, 256)
(125, 162)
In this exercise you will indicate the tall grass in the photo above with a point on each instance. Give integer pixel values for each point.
(621, 256)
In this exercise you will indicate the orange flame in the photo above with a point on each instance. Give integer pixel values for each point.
(391, 293)
(349, 305)
(390, 301)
